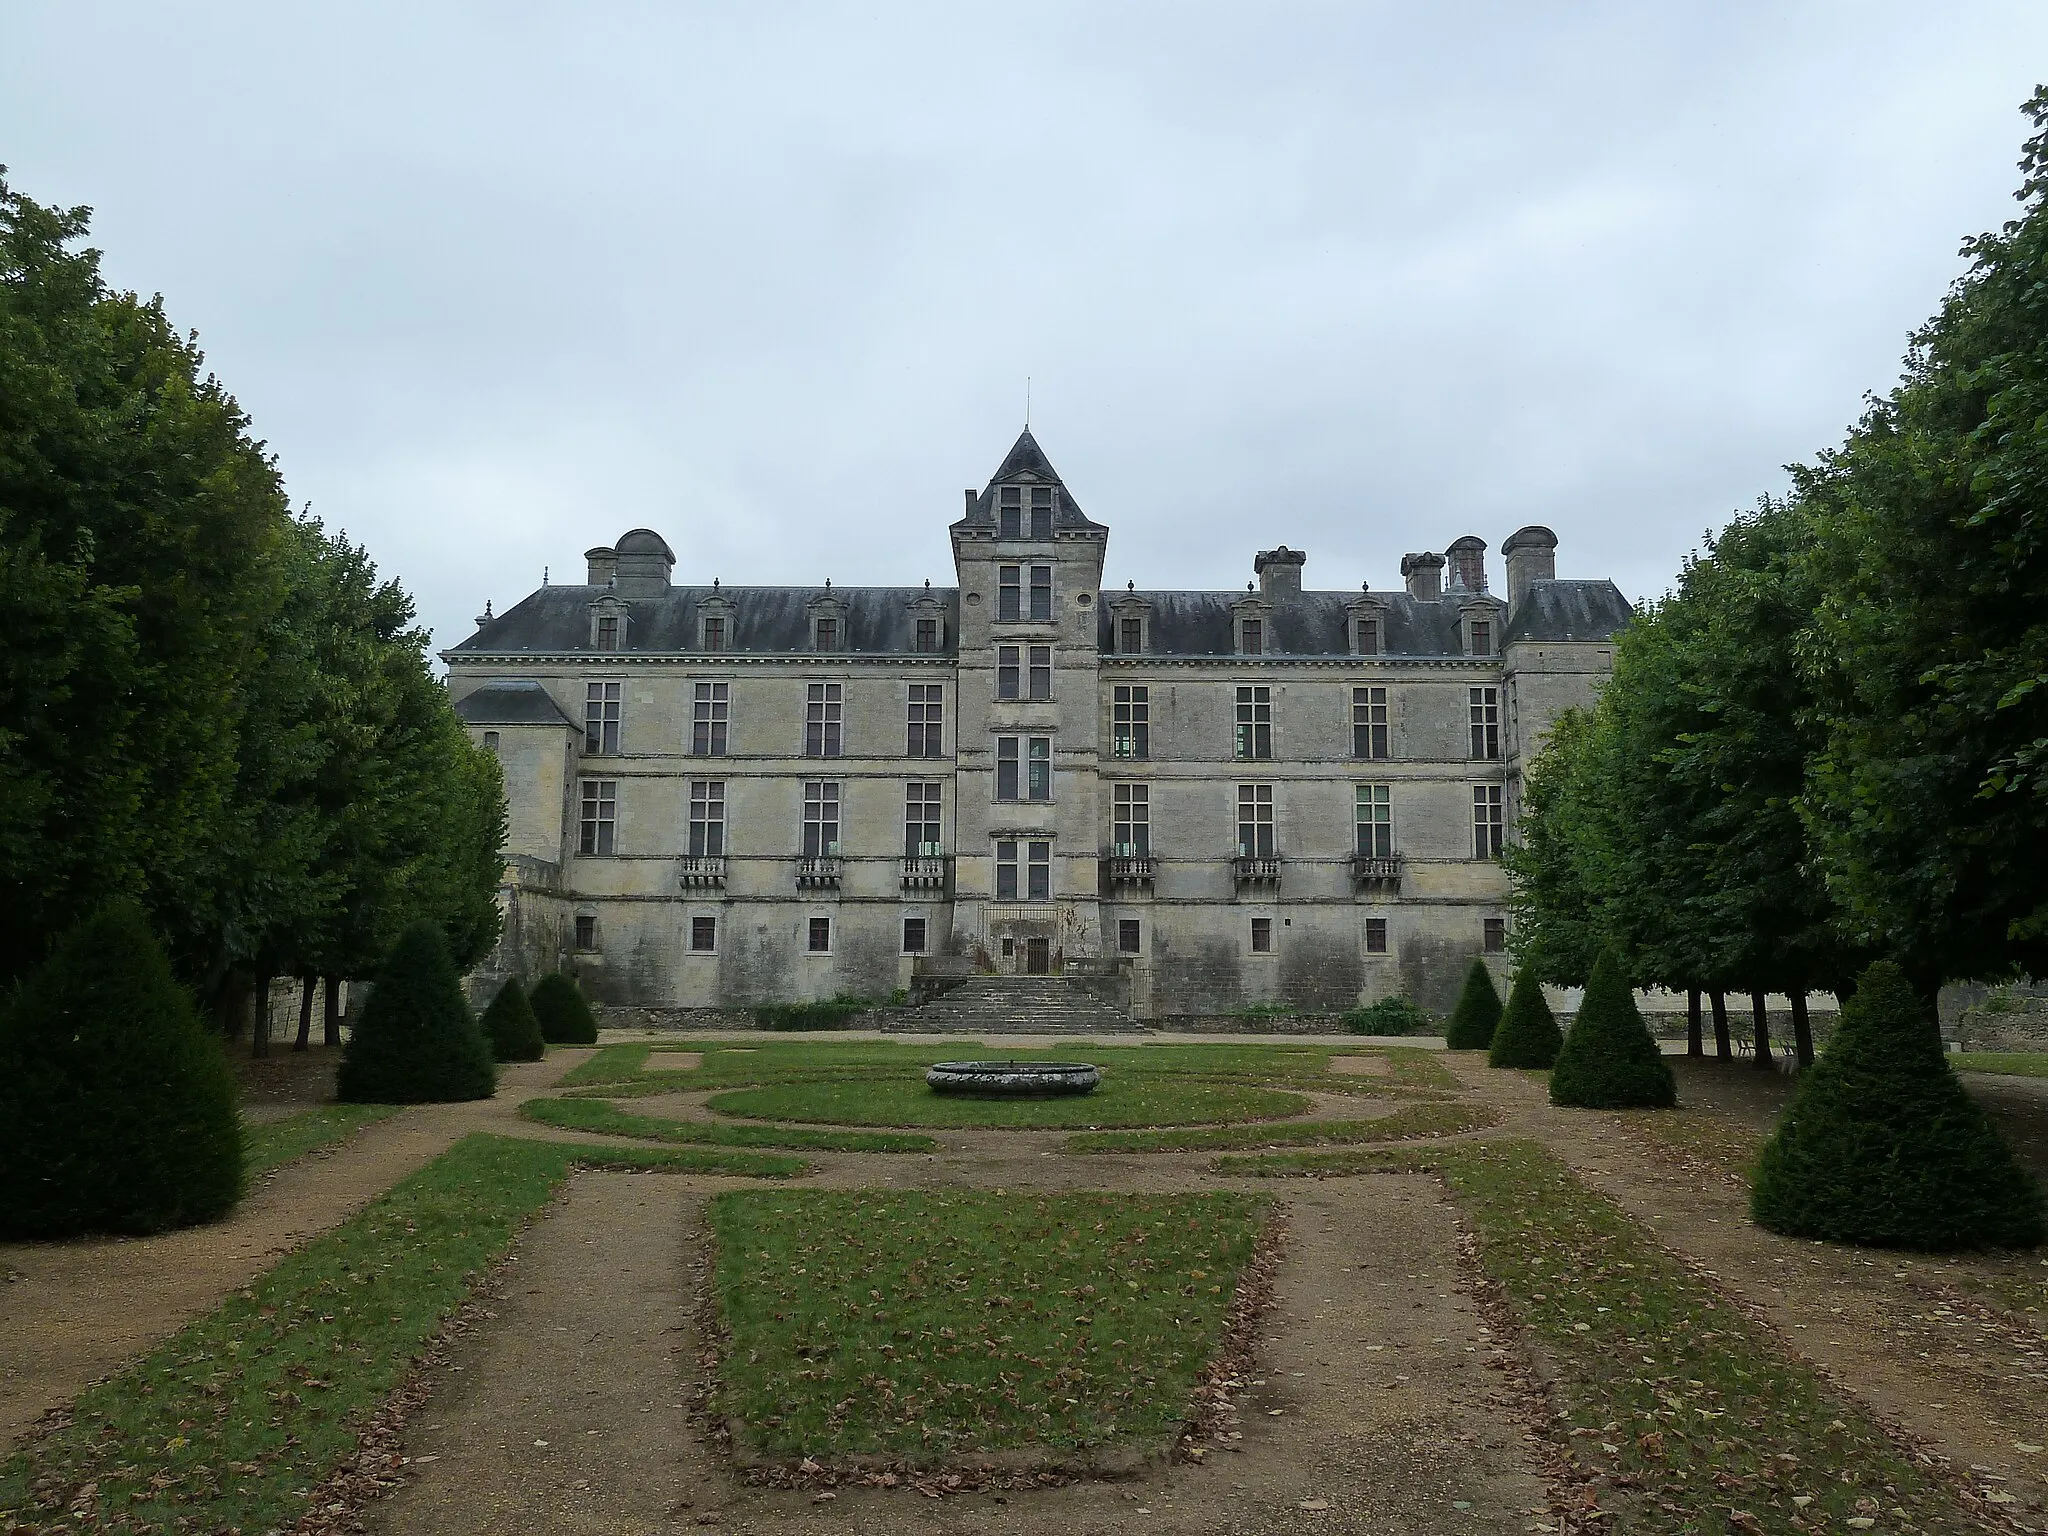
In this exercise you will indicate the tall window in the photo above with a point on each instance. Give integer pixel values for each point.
(1007, 660)
(1375, 935)
(824, 707)
(927, 720)
(1368, 637)
(1486, 821)
(1006, 871)
(1254, 635)
(927, 635)
(1255, 821)
(703, 935)
(710, 711)
(586, 932)
(1006, 768)
(1038, 871)
(821, 819)
(1038, 768)
(608, 632)
(1009, 592)
(1132, 638)
(821, 936)
(1131, 721)
(1262, 935)
(600, 815)
(1493, 934)
(913, 936)
(1482, 637)
(1131, 825)
(922, 828)
(1486, 723)
(1041, 671)
(1010, 513)
(1375, 821)
(1041, 512)
(491, 742)
(827, 635)
(714, 634)
(1369, 734)
(1255, 722)
(601, 717)
(707, 818)
(1130, 938)
(1041, 592)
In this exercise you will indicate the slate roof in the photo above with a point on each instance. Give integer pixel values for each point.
(764, 620)
(1298, 624)
(1568, 610)
(511, 701)
(1026, 457)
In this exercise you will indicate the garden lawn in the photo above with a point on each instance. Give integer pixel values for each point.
(918, 1327)
(1125, 1099)
(600, 1118)
(1683, 1413)
(277, 1142)
(1412, 1122)
(2010, 1063)
(232, 1422)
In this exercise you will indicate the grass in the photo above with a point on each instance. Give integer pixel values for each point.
(611, 1064)
(277, 1142)
(233, 1421)
(1681, 1412)
(1122, 1100)
(2010, 1063)
(918, 1327)
(601, 1118)
(1411, 1122)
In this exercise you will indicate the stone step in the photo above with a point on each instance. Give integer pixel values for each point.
(1019, 1005)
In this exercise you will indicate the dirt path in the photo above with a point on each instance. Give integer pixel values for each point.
(1892, 1328)
(72, 1312)
(1372, 1409)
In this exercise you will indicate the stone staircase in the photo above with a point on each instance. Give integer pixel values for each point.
(1018, 1005)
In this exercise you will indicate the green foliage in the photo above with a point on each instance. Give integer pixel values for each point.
(1609, 1060)
(1528, 1036)
(1882, 1145)
(1394, 1015)
(901, 1098)
(837, 1013)
(274, 1143)
(1477, 1015)
(416, 1041)
(565, 1018)
(603, 1119)
(117, 1110)
(1411, 1122)
(510, 1026)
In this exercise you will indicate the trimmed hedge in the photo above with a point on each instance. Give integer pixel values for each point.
(117, 1106)
(1477, 1015)
(1389, 1016)
(510, 1026)
(1528, 1036)
(416, 1042)
(565, 1018)
(835, 1014)
(1883, 1146)
(1609, 1060)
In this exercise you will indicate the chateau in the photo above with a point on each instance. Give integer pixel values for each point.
(1199, 801)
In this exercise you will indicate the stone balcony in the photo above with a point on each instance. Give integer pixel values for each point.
(818, 872)
(1256, 872)
(698, 872)
(1371, 872)
(927, 871)
(1130, 868)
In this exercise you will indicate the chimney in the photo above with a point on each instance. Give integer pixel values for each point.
(973, 501)
(644, 563)
(604, 565)
(1279, 570)
(1532, 557)
(1467, 557)
(1425, 576)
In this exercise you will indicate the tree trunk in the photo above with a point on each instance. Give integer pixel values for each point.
(1762, 1021)
(1802, 1031)
(332, 1003)
(229, 1004)
(1722, 1048)
(259, 1039)
(305, 1040)
(1694, 1046)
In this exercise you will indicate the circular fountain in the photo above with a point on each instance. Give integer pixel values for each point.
(1013, 1079)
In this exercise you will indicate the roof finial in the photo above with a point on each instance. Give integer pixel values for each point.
(927, 583)
(1131, 585)
(1027, 402)
(828, 583)
(543, 575)
(714, 583)
(485, 617)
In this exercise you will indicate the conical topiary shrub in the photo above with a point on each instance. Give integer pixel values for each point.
(416, 1042)
(117, 1106)
(1477, 1015)
(1528, 1035)
(1609, 1060)
(510, 1026)
(1882, 1145)
(565, 1018)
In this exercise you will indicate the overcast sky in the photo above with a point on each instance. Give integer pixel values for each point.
(498, 283)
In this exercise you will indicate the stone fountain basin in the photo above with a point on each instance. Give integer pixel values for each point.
(1013, 1079)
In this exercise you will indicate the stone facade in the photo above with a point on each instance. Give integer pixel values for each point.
(722, 796)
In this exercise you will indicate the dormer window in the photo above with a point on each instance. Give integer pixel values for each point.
(1041, 511)
(1251, 617)
(607, 624)
(927, 639)
(828, 621)
(1128, 614)
(1130, 638)
(1366, 637)
(1014, 502)
(1366, 617)
(826, 635)
(608, 632)
(714, 634)
(1010, 513)
(714, 621)
(1482, 637)
(1479, 621)
(1252, 637)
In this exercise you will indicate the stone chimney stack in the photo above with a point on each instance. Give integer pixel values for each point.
(644, 563)
(1279, 570)
(1425, 576)
(1467, 557)
(1532, 556)
(604, 564)
(973, 501)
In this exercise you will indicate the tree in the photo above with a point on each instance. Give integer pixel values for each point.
(416, 1041)
(1609, 1060)
(1528, 1036)
(1883, 1145)
(117, 1109)
(1477, 1013)
(565, 1018)
(1555, 931)
(510, 1026)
